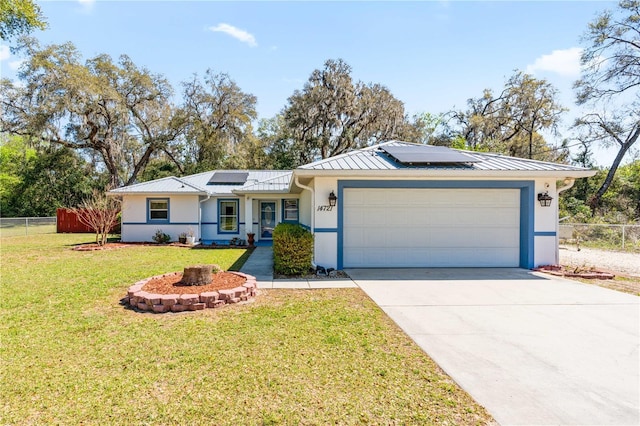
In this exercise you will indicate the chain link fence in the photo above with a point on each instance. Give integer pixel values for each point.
(601, 235)
(21, 226)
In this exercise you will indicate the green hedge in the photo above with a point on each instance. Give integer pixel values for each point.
(292, 249)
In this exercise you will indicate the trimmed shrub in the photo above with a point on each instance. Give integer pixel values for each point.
(292, 249)
(160, 237)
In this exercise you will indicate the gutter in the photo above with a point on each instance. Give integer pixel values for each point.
(446, 174)
(568, 183)
(313, 214)
(200, 216)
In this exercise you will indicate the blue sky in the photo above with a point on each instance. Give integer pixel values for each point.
(433, 56)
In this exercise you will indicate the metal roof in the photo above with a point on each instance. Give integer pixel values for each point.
(169, 184)
(256, 181)
(427, 154)
(279, 183)
(367, 161)
(375, 158)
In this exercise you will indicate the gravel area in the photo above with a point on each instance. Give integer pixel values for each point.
(612, 261)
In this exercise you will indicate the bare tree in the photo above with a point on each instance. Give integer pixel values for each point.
(100, 213)
(611, 73)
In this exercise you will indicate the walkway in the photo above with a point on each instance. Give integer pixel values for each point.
(260, 265)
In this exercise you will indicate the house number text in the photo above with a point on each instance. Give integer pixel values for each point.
(325, 208)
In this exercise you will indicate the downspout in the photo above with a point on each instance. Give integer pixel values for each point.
(568, 183)
(313, 215)
(200, 216)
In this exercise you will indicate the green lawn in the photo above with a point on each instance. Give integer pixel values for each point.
(21, 231)
(71, 354)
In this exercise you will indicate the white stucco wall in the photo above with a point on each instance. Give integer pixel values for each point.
(546, 222)
(183, 216)
(305, 208)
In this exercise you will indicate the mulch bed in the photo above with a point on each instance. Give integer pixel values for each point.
(573, 272)
(170, 284)
(111, 246)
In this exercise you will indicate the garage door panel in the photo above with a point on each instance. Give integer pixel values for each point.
(431, 227)
(354, 237)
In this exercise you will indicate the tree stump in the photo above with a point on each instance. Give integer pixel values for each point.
(197, 275)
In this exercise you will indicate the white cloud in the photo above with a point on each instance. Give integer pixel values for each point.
(236, 33)
(86, 5)
(14, 65)
(4, 52)
(564, 62)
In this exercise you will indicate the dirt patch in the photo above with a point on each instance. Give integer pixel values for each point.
(604, 260)
(170, 284)
(94, 247)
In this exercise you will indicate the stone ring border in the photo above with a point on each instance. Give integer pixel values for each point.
(161, 303)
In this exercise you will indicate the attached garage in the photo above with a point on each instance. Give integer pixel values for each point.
(431, 227)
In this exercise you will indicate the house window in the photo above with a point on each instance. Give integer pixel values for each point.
(228, 216)
(290, 210)
(158, 209)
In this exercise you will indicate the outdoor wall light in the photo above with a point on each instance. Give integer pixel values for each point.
(332, 199)
(545, 199)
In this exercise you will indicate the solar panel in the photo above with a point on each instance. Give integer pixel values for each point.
(411, 154)
(228, 178)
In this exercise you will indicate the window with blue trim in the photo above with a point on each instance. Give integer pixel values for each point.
(228, 215)
(158, 209)
(290, 210)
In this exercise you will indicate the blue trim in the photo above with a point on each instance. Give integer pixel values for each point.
(284, 211)
(237, 201)
(209, 223)
(544, 234)
(158, 221)
(308, 228)
(526, 206)
(325, 230)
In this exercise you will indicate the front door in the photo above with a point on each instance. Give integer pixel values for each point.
(267, 219)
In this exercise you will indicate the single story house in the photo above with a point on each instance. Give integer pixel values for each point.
(395, 204)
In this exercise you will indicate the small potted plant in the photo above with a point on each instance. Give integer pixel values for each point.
(182, 238)
(251, 238)
(191, 239)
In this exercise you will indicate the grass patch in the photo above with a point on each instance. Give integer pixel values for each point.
(70, 354)
(625, 284)
(21, 231)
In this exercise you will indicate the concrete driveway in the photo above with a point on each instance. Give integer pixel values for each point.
(532, 349)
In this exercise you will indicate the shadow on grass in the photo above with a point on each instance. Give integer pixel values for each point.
(114, 238)
(241, 260)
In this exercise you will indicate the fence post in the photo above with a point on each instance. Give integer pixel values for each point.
(26, 226)
(623, 237)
